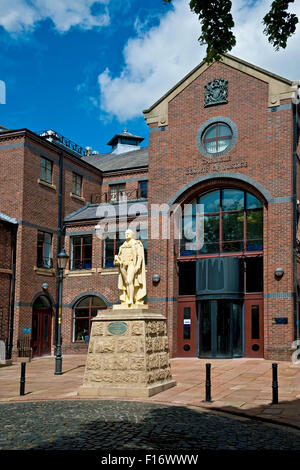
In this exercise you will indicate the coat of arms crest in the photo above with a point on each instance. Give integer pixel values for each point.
(216, 92)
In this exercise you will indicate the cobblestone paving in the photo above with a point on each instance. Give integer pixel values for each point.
(123, 425)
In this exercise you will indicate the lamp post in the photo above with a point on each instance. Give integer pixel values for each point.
(62, 259)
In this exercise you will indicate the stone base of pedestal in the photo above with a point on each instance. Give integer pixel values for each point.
(128, 355)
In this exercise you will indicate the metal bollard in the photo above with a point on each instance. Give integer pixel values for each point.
(208, 383)
(274, 384)
(22, 379)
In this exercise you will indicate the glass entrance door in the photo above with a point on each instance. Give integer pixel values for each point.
(220, 328)
(223, 331)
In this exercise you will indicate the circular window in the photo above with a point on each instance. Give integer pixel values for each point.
(216, 136)
(186, 347)
(255, 347)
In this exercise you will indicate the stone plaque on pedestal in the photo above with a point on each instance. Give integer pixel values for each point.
(128, 354)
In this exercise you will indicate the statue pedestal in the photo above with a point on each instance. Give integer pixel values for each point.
(128, 355)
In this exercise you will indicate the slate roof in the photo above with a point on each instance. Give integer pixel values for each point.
(90, 211)
(122, 161)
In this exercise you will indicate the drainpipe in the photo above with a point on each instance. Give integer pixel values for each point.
(295, 131)
(12, 293)
(60, 231)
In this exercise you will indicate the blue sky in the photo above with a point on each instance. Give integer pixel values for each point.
(88, 69)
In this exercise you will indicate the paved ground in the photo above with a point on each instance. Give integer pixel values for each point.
(100, 425)
(238, 385)
(51, 415)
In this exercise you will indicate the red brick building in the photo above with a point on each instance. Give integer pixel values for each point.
(224, 139)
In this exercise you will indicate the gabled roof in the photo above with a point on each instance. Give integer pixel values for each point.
(279, 87)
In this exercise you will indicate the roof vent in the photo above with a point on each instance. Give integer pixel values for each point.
(125, 142)
(88, 151)
(50, 135)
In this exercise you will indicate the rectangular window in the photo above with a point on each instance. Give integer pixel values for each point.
(111, 246)
(143, 189)
(44, 250)
(255, 322)
(46, 170)
(112, 243)
(77, 184)
(211, 234)
(143, 236)
(187, 278)
(254, 230)
(254, 274)
(81, 252)
(233, 231)
(117, 192)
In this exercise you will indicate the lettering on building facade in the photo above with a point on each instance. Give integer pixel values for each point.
(215, 167)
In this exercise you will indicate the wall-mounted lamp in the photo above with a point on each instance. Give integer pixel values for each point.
(45, 286)
(156, 278)
(278, 273)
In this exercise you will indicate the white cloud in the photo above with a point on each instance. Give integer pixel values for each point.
(154, 61)
(19, 16)
(157, 59)
(253, 46)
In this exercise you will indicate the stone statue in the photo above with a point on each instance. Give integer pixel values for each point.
(132, 273)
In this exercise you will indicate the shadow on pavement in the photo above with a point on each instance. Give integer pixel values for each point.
(100, 425)
(74, 368)
(284, 413)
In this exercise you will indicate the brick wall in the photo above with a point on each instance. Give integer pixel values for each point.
(35, 206)
(264, 142)
(5, 278)
(262, 156)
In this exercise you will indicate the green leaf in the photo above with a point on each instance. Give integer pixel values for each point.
(279, 24)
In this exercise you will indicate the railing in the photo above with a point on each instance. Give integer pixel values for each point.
(54, 136)
(97, 198)
(24, 347)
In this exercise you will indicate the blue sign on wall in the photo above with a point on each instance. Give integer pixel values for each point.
(281, 321)
(26, 330)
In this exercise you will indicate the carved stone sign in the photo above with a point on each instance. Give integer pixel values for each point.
(216, 167)
(117, 328)
(216, 92)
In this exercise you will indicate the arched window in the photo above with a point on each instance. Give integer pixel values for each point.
(42, 302)
(233, 222)
(84, 310)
